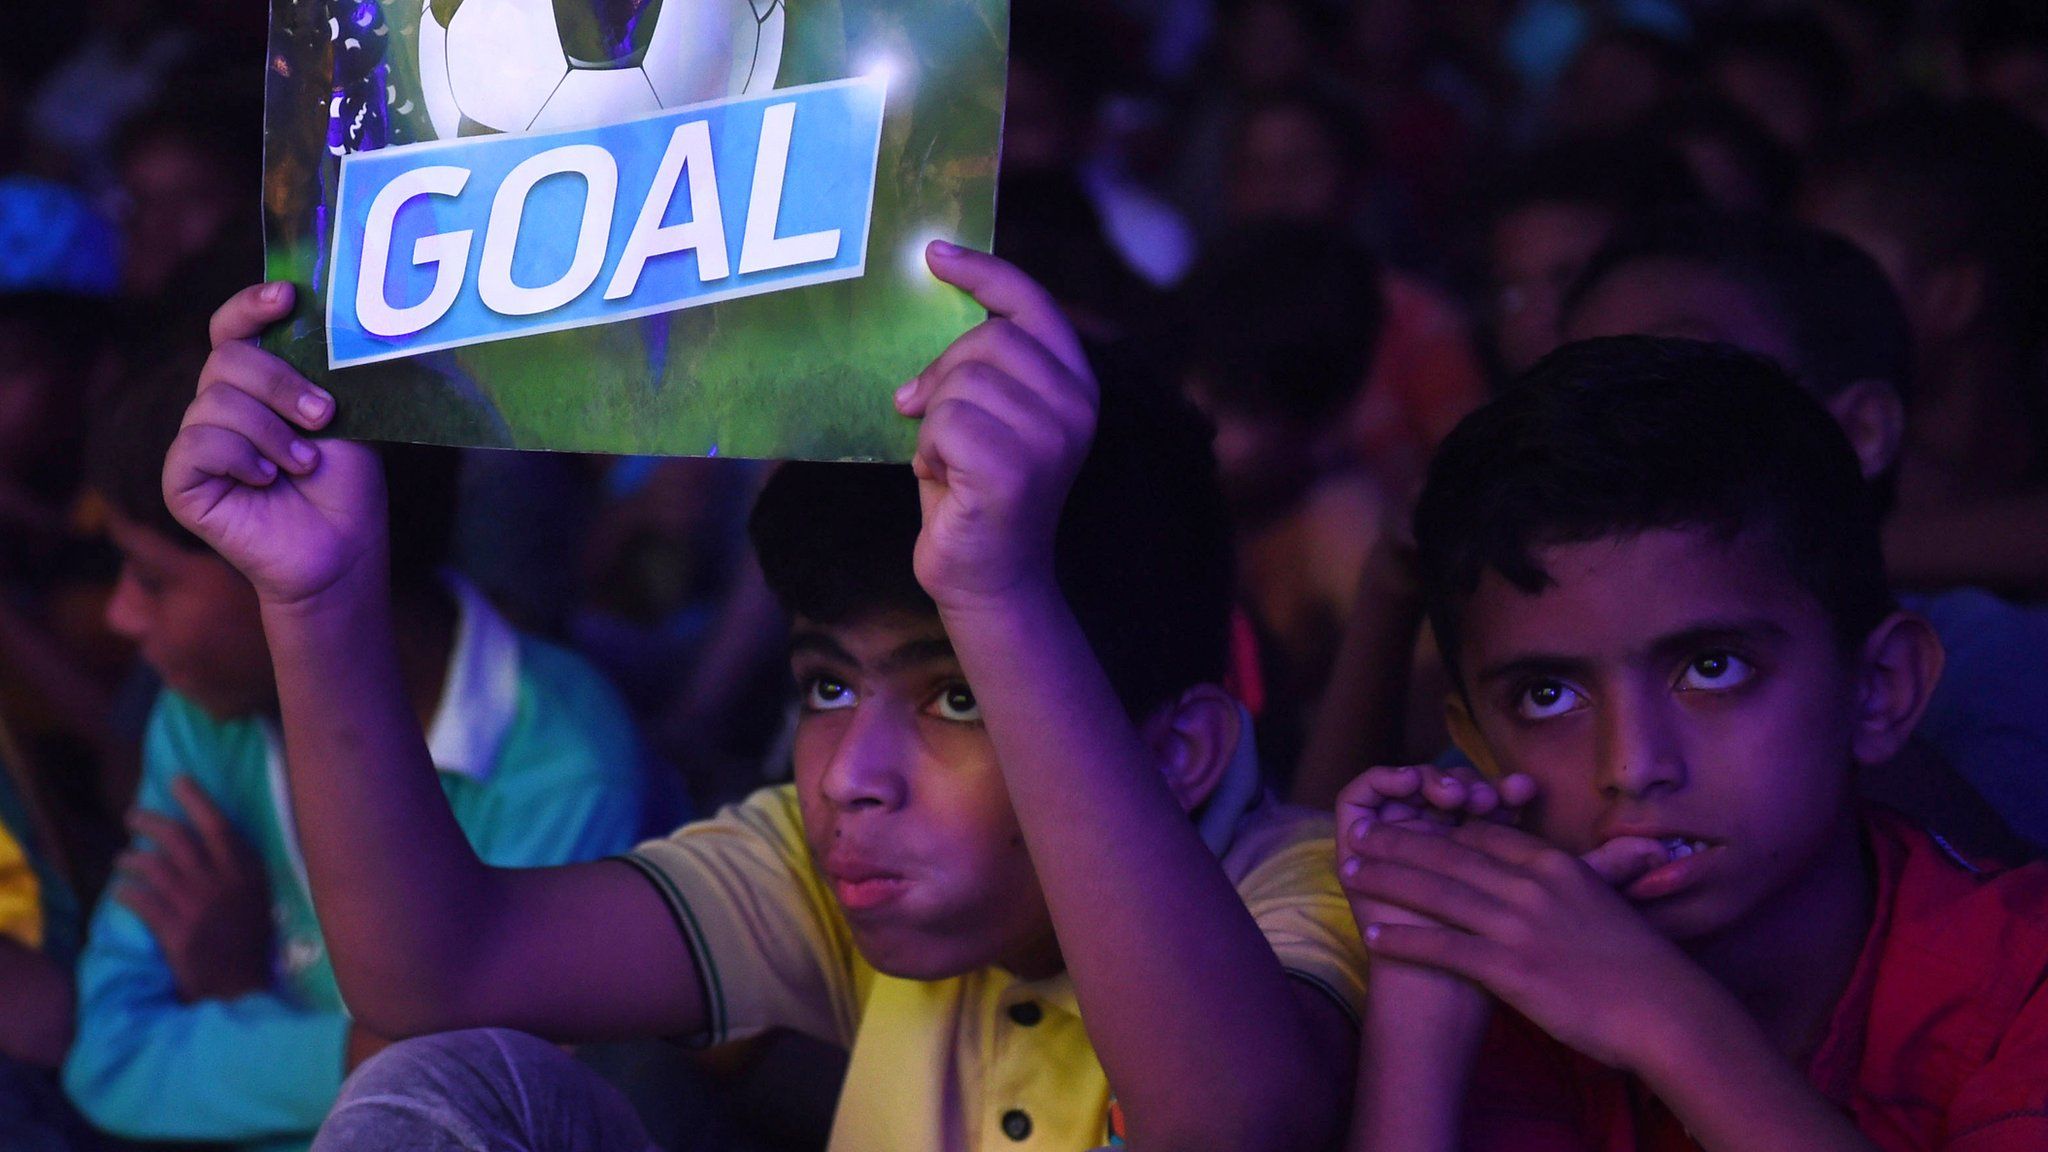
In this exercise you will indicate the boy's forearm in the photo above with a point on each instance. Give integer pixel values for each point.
(1422, 1033)
(1720, 1075)
(395, 883)
(1194, 1020)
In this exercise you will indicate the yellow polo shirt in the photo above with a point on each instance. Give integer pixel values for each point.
(981, 1061)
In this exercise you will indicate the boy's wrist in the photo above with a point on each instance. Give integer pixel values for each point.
(1696, 1020)
(364, 586)
(1028, 593)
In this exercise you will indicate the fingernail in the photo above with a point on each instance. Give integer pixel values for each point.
(1350, 867)
(266, 469)
(1372, 933)
(945, 249)
(273, 292)
(1360, 827)
(314, 405)
(906, 391)
(302, 454)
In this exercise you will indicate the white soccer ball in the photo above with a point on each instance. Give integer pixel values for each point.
(502, 66)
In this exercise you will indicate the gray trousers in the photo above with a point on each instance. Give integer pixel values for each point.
(484, 1090)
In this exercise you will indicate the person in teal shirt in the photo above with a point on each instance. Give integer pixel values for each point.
(208, 1005)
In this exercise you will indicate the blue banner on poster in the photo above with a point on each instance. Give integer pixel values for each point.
(458, 242)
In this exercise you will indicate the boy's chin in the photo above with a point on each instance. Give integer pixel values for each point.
(909, 955)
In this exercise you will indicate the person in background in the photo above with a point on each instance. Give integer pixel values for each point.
(1947, 200)
(208, 1008)
(1274, 332)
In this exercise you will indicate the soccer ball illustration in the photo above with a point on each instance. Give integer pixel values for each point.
(542, 65)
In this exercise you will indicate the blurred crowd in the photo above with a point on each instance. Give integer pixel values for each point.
(1340, 225)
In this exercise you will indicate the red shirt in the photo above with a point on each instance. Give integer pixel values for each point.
(1940, 1042)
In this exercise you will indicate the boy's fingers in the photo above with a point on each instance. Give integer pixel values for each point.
(206, 452)
(1373, 787)
(1447, 949)
(1442, 790)
(164, 887)
(1000, 287)
(175, 842)
(224, 406)
(1625, 859)
(148, 905)
(222, 843)
(1481, 799)
(1518, 789)
(249, 369)
(1510, 846)
(248, 312)
(1439, 897)
(1005, 345)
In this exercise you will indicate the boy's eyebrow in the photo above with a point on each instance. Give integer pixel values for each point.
(924, 650)
(929, 650)
(816, 643)
(1705, 634)
(1535, 665)
(1711, 632)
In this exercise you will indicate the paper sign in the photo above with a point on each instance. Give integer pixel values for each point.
(639, 226)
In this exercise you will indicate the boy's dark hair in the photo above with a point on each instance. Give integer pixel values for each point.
(1142, 555)
(129, 435)
(1952, 181)
(1280, 319)
(1613, 437)
(1838, 309)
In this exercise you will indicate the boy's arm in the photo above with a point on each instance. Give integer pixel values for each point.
(423, 935)
(148, 1066)
(1546, 933)
(1200, 1031)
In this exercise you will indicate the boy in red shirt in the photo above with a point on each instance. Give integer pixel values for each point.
(1654, 569)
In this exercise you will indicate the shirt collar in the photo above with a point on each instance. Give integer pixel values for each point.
(480, 696)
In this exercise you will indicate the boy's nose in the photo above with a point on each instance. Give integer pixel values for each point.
(1640, 752)
(867, 767)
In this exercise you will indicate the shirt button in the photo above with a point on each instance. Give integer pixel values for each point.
(1017, 1125)
(1026, 1013)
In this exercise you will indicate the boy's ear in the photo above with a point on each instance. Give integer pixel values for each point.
(1465, 734)
(1901, 663)
(1874, 418)
(1193, 741)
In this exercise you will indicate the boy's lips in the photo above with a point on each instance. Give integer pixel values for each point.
(862, 887)
(1690, 859)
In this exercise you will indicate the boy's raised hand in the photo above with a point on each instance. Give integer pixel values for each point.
(295, 517)
(1543, 930)
(1008, 412)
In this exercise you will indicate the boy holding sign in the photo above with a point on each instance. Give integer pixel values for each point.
(959, 876)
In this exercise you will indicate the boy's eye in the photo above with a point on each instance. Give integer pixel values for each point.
(1714, 672)
(956, 703)
(1547, 698)
(824, 694)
